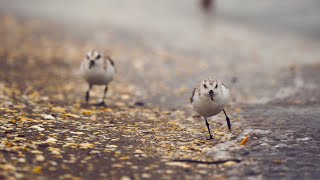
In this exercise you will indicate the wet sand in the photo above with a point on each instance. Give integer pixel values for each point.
(149, 129)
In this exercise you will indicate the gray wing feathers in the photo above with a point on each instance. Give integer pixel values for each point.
(191, 98)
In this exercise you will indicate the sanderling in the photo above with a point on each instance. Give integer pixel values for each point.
(97, 70)
(209, 99)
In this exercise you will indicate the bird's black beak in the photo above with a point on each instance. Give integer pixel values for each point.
(211, 94)
(91, 64)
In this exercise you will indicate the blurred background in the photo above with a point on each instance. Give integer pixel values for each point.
(266, 52)
(167, 47)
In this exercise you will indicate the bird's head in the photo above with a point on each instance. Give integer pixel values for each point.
(93, 56)
(209, 87)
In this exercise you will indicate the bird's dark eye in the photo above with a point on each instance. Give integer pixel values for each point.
(216, 86)
(205, 86)
(98, 57)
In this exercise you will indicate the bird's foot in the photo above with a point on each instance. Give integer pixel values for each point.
(101, 104)
(210, 137)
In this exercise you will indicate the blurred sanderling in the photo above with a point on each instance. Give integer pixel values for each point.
(97, 70)
(209, 98)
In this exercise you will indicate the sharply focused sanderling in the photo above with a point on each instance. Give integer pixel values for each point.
(209, 99)
(97, 70)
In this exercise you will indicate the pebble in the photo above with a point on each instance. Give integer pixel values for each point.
(40, 158)
(86, 145)
(58, 109)
(22, 160)
(8, 167)
(49, 117)
(117, 165)
(125, 178)
(230, 163)
(51, 140)
(138, 151)
(179, 164)
(8, 104)
(304, 139)
(145, 175)
(37, 128)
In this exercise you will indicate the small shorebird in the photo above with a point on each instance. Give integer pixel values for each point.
(97, 70)
(209, 98)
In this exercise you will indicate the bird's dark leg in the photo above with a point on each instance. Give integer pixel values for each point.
(228, 120)
(208, 128)
(88, 93)
(102, 103)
